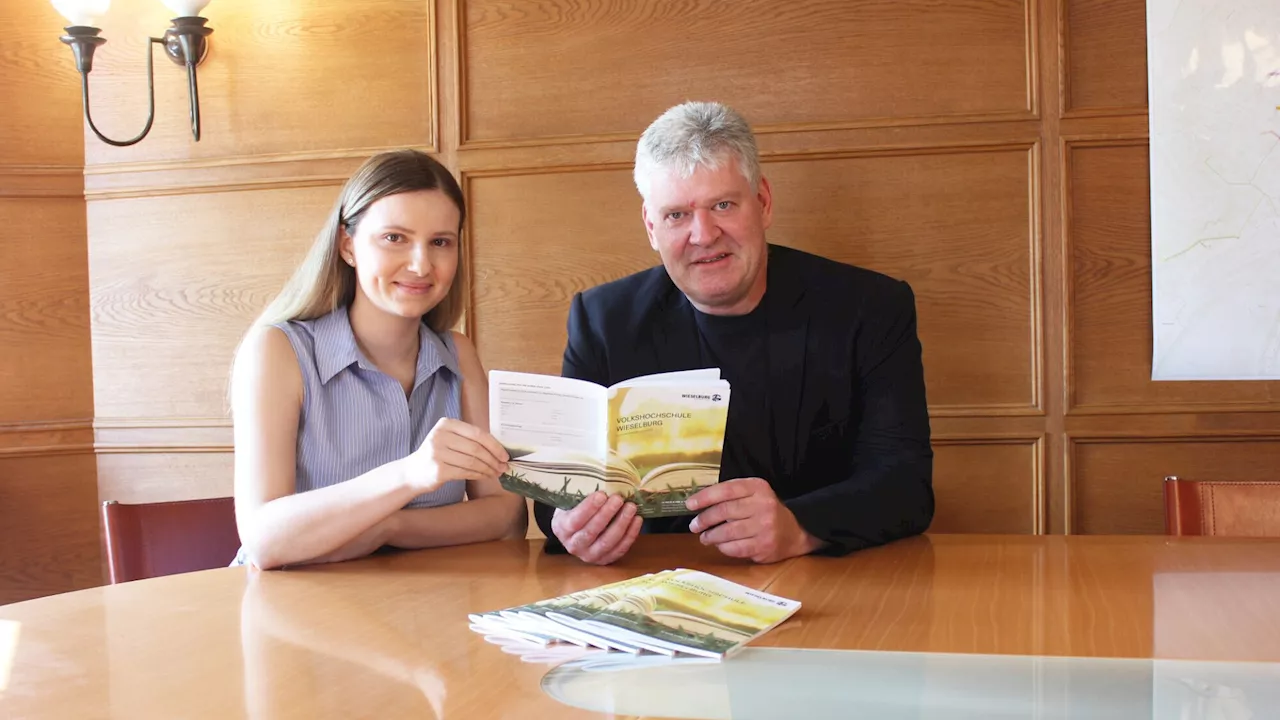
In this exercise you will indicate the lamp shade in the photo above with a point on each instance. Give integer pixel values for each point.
(82, 12)
(185, 8)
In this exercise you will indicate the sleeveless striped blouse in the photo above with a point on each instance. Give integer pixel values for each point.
(355, 417)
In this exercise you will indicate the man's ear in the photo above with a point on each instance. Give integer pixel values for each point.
(765, 196)
(648, 225)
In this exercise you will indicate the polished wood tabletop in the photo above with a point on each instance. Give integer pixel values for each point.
(388, 636)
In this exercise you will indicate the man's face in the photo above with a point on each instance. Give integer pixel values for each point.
(709, 229)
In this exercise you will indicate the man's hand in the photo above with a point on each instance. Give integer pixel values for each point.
(744, 518)
(599, 530)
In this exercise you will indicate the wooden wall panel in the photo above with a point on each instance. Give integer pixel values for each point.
(1109, 239)
(152, 474)
(48, 514)
(314, 77)
(1105, 45)
(601, 67)
(165, 328)
(48, 525)
(39, 120)
(987, 486)
(532, 252)
(1116, 484)
(956, 226)
(45, 371)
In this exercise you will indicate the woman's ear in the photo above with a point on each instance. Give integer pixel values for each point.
(346, 247)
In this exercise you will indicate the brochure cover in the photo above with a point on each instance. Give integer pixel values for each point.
(655, 440)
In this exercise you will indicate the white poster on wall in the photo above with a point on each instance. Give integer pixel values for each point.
(1214, 92)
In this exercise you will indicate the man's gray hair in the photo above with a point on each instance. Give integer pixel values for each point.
(693, 135)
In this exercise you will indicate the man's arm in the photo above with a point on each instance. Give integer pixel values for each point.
(583, 360)
(888, 493)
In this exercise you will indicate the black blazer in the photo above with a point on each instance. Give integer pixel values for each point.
(847, 389)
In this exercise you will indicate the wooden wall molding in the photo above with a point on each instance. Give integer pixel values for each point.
(1030, 113)
(41, 181)
(160, 434)
(226, 174)
(40, 438)
(762, 131)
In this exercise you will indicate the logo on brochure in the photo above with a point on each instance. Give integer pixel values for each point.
(713, 398)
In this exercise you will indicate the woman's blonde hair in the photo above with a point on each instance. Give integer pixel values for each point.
(324, 282)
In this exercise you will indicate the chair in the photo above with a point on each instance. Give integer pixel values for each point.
(154, 539)
(1229, 509)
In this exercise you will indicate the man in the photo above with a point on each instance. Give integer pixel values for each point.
(827, 444)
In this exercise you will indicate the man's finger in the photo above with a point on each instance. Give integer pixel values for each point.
(580, 542)
(633, 532)
(727, 511)
(607, 542)
(568, 522)
(720, 492)
(730, 531)
(738, 548)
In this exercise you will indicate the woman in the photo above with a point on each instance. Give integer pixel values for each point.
(360, 418)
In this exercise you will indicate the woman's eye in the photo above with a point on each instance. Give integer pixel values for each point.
(441, 242)
(393, 237)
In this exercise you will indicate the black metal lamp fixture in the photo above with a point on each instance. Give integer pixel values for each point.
(185, 42)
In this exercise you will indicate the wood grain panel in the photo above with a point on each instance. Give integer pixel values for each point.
(165, 329)
(1105, 47)
(1109, 256)
(532, 250)
(987, 486)
(48, 526)
(956, 225)
(40, 118)
(558, 69)
(291, 77)
(44, 311)
(168, 474)
(1116, 485)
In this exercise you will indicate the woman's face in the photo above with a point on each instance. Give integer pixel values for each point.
(405, 251)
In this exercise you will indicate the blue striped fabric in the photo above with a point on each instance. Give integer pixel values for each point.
(355, 417)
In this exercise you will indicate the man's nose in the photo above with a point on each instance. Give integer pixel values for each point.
(704, 230)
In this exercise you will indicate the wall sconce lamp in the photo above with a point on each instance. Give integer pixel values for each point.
(184, 42)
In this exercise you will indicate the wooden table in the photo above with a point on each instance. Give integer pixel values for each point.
(388, 637)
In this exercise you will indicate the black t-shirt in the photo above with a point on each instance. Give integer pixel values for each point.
(739, 346)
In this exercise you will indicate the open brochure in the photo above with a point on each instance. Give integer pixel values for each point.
(655, 439)
(668, 613)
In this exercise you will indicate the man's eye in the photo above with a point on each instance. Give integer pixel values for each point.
(675, 215)
(724, 205)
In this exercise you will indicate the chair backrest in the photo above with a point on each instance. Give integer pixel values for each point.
(1232, 509)
(153, 539)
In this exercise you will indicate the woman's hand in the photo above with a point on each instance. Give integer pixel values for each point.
(454, 450)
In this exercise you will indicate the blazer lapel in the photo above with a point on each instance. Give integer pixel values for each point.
(788, 336)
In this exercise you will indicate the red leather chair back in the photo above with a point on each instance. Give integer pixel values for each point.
(154, 539)
(1231, 509)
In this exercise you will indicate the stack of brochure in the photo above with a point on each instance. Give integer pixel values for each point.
(669, 612)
